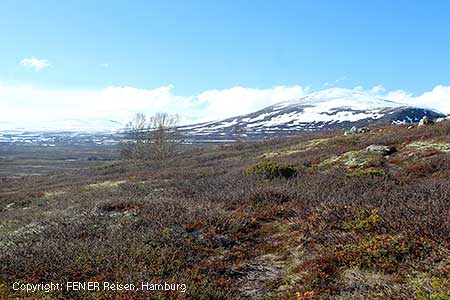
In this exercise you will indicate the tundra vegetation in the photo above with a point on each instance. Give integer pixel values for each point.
(308, 217)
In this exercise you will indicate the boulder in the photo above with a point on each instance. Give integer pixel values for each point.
(381, 149)
(225, 242)
(352, 130)
(425, 121)
(355, 130)
(363, 129)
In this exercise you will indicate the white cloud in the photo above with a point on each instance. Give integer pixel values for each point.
(34, 107)
(37, 107)
(437, 99)
(335, 82)
(239, 100)
(35, 63)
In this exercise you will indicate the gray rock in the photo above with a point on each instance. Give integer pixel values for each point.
(9, 205)
(425, 121)
(197, 235)
(225, 242)
(352, 130)
(381, 149)
(355, 130)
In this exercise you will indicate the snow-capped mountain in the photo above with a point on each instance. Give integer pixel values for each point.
(328, 109)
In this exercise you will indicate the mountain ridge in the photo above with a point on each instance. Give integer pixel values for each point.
(335, 108)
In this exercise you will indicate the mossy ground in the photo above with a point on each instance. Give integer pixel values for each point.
(430, 145)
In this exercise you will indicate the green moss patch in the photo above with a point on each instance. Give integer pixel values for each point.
(352, 159)
(105, 184)
(367, 221)
(433, 287)
(429, 145)
(54, 193)
(366, 172)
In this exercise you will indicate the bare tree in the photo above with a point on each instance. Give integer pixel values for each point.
(163, 134)
(137, 136)
(153, 137)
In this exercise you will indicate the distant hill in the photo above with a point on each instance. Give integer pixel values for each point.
(329, 109)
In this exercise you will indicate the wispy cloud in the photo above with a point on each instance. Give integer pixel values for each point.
(335, 82)
(35, 63)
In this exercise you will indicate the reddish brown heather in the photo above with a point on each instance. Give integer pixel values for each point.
(197, 218)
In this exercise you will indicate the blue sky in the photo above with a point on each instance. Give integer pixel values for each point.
(198, 46)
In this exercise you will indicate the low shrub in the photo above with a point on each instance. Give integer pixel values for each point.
(439, 164)
(269, 196)
(419, 169)
(366, 172)
(272, 169)
(367, 221)
(437, 288)
(383, 252)
(104, 166)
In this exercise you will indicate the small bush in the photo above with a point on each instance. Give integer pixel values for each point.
(271, 169)
(368, 221)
